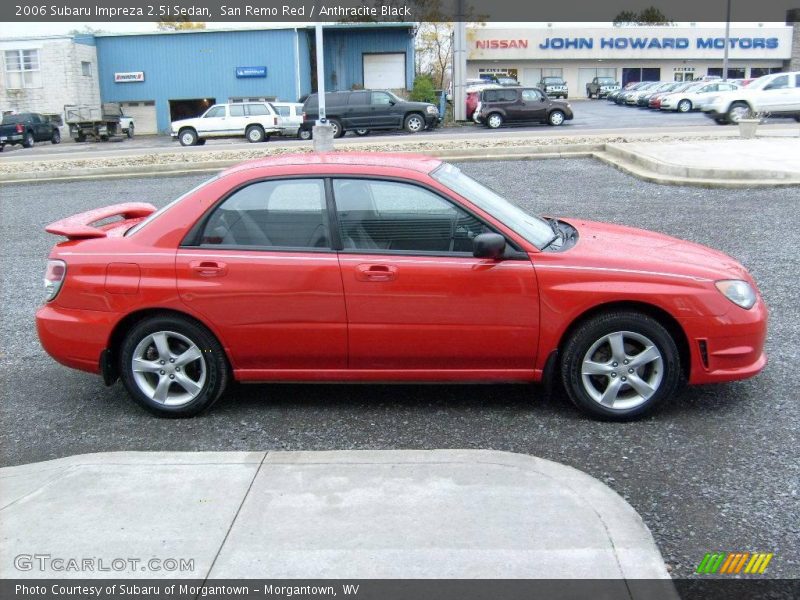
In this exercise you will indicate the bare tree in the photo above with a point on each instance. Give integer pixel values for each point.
(180, 25)
(648, 16)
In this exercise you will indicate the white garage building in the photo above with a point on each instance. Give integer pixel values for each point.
(672, 53)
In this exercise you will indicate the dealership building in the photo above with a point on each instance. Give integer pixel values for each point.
(162, 76)
(635, 53)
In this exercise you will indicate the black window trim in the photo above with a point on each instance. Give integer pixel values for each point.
(335, 245)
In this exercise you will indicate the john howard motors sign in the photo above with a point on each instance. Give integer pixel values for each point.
(629, 42)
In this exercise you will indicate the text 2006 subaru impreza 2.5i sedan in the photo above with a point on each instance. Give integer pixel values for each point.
(371, 267)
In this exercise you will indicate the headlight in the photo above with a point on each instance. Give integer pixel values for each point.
(53, 278)
(739, 292)
(432, 110)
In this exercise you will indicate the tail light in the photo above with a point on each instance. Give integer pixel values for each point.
(20, 128)
(304, 116)
(54, 277)
(274, 120)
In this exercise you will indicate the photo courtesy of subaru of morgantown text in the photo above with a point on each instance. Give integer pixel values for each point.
(428, 299)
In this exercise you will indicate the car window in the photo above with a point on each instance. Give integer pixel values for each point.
(797, 80)
(358, 99)
(255, 110)
(531, 96)
(381, 98)
(282, 110)
(779, 83)
(287, 214)
(215, 112)
(236, 110)
(336, 99)
(379, 216)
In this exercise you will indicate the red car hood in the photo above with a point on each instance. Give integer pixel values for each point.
(615, 246)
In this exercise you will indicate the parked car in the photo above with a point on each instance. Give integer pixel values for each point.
(643, 98)
(555, 87)
(655, 99)
(422, 274)
(362, 111)
(474, 96)
(516, 105)
(254, 121)
(600, 87)
(622, 97)
(696, 96)
(98, 121)
(777, 94)
(613, 95)
(26, 129)
(290, 117)
(631, 98)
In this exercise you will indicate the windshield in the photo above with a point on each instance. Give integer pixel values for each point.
(552, 79)
(533, 229)
(605, 80)
(164, 209)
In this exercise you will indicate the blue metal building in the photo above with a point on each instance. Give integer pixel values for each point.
(159, 77)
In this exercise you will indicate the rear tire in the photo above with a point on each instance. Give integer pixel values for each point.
(180, 367)
(27, 140)
(254, 134)
(619, 365)
(361, 132)
(304, 134)
(187, 137)
(685, 106)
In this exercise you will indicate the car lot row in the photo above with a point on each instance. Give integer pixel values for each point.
(729, 101)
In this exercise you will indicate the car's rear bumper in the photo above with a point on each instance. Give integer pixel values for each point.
(7, 139)
(728, 347)
(75, 338)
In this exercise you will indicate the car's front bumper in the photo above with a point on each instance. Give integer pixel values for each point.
(728, 347)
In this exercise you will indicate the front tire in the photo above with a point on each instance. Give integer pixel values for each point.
(56, 139)
(685, 106)
(555, 118)
(172, 366)
(130, 132)
(414, 123)
(738, 111)
(361, 132)
(187, 137)
(620, 365)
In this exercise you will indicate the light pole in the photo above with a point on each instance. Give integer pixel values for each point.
(727, 41)
(322, 132)
(459, 62)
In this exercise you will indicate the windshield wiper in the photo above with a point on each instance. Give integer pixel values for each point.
(559, 234)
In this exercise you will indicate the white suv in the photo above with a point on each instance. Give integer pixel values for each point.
(776, 95)
(290, 117)
(255, 121)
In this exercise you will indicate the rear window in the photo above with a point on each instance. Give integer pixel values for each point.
(14, 119)
(499, 95)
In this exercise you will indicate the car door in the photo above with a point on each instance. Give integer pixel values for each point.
(777, 95)
(261, 113)
(385, 113)
(237, 120)
(38, 125)
(513, 104)
(418, 301)
(360, 111)
(534, 105)
(213, 122)
(261, 269)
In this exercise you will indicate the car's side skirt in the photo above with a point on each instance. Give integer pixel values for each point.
(389, 375)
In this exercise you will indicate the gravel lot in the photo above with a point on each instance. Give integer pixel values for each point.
(717, 469)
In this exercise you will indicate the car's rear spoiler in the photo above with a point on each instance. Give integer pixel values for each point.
(80, 226)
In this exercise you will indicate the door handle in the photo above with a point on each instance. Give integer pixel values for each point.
(208, 268)
(376, 272)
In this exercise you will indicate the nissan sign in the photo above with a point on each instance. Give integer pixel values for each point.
(129, 77)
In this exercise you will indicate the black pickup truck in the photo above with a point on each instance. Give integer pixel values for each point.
(27, 129)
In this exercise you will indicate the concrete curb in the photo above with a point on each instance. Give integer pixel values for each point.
(611, 153)
(341, 514)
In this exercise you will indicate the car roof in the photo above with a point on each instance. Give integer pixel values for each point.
(412, 162)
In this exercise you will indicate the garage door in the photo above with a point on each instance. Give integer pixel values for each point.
(144, 115)
(384, 71)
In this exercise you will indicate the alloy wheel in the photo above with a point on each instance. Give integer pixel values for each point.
(169, 368)
(414, 124)
(622, 370)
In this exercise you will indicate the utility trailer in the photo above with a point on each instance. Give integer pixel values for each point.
(99, 121)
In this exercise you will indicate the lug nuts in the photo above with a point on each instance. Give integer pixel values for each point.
(171, 360)
(626, 361)
(162, 371)
(161, 362)
(630, 370)
(623, 378)
(178, 369)
(613, 374)
(614, 364)
(173, 377)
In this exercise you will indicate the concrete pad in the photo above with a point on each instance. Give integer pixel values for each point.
(108, 507)
(346, 514)
(433, 514)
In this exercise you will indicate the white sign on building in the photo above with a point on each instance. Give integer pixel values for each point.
(129, 77)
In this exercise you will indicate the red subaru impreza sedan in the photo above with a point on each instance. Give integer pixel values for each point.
(375, 267)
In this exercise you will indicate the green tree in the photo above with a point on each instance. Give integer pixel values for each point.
(648, 16)
(423, 90)
(180, 25)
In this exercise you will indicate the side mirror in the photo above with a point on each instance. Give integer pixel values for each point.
(488, 245)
